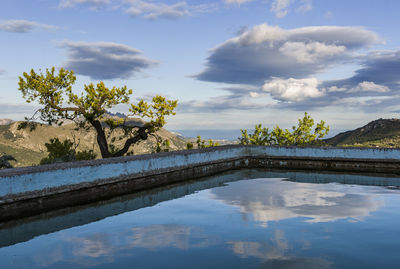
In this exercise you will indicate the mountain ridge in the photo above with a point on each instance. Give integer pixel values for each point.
(377, 133)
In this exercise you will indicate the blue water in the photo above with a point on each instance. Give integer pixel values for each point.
(242, 219)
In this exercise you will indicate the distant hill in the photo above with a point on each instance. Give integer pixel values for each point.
(5, 121)
(377, 133)
(28, 147)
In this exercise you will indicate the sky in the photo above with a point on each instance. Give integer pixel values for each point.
(231, 64)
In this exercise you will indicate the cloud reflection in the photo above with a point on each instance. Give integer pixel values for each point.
(262, 250)
(157, 236)
(274, 200)
(275, 254)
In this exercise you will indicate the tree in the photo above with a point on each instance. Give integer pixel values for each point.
(301, 135)
(89, 109)
(5, 161)
(202, 143)
(65, 151)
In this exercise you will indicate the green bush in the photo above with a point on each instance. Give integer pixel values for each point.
(5, 161)
(202, 143)
(65, 151)
(302, 135)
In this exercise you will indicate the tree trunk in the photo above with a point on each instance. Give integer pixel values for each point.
(101, 139)
(142, 135)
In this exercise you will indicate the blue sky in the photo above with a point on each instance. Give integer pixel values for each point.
(230, 63)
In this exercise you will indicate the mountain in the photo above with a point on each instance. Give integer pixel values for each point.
(5, 121)
(377, 133)
(28, 147)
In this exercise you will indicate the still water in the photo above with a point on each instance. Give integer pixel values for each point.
(241, 219)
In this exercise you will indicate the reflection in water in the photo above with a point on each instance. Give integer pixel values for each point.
(93, 246)
(19, 231)
(257, 223)
(275, 254)
(262, 250)
(157, 236)
(297, 263)
(23, 230)
(272, 200)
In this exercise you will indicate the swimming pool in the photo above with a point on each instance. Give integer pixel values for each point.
(240, 219)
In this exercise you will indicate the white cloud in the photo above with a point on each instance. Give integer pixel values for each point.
(265, 51)
(293, 89)
(90, 3)
(237, 2)
(147, 9)
(306, 5)
(310, 52)
(347, 36)
(105, 60)
(337, 89)
(260, 34)
(24, 26)
(152, 10)
(369, 86)
(280, 7)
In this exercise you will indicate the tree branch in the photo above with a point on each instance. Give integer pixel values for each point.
(141, 135)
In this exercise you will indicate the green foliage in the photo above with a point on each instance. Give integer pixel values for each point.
(85, 155)
(89, 109)
(203, 143)
(300, 135)
(5, 161)
(261, 136)
(189, 145)
(156, 111)
(65, 151)
(162, 145)
(27, 124)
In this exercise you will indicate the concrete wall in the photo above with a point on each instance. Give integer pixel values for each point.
(21, 180)
(20, 231)
(346, 153)
(146, 171)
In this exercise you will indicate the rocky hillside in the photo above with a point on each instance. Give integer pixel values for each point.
(377, 133)
(28, 147)
(5, 121)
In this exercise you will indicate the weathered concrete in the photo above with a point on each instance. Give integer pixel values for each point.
(30, 190)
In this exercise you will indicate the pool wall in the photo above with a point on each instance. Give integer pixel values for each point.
(30, 190)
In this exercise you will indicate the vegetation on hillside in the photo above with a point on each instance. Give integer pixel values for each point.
(89, 110)
(201, 143)
(5, 161)
(377, 133)
(65, 151)
(29, 148)
(301, 135)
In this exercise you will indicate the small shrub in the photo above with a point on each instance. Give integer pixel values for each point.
(65, 151)
(5, 161)
(189, 145)
(202, 143)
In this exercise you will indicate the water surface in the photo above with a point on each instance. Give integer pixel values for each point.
(242, 219)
